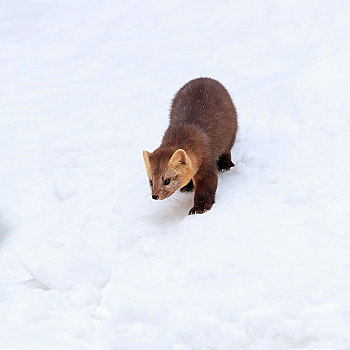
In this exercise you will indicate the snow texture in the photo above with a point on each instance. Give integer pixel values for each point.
(89, 262)
(64, 263)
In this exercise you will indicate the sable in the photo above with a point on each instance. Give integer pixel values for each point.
(196, 145)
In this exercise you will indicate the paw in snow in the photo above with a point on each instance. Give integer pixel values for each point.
(64, 263)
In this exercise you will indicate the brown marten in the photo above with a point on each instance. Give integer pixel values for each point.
(197, 143)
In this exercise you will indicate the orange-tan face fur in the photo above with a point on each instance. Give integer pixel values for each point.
(162, 168)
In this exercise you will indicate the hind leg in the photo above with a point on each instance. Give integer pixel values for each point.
(188, 188)
(224, 162)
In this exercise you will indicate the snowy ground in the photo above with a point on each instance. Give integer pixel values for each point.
(89, 262)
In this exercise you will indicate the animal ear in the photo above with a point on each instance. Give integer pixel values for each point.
(146, 156)
(179, 157)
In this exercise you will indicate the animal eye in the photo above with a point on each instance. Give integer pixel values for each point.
(151, 182)
(166, 181)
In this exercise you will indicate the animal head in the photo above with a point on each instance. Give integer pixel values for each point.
(167, 171)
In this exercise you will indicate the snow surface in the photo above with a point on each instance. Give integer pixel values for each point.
(84, 87)
(64, 263)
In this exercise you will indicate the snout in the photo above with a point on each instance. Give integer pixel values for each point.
(161, 195)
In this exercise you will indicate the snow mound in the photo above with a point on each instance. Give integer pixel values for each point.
(85, 294)
(65, 263)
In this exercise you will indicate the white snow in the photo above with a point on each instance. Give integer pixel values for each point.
(89, 262)
(64, 263)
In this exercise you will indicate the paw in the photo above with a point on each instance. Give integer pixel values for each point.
(196, 210)
(186, 189)
(226, 166)
(200, 209)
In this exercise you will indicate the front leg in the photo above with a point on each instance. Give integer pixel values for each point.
(206, 183)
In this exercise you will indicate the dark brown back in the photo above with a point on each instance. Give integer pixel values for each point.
(206, 104)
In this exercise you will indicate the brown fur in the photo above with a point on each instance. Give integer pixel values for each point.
(197, 143)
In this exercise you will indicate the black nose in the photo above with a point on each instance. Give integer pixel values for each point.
(155, 197)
